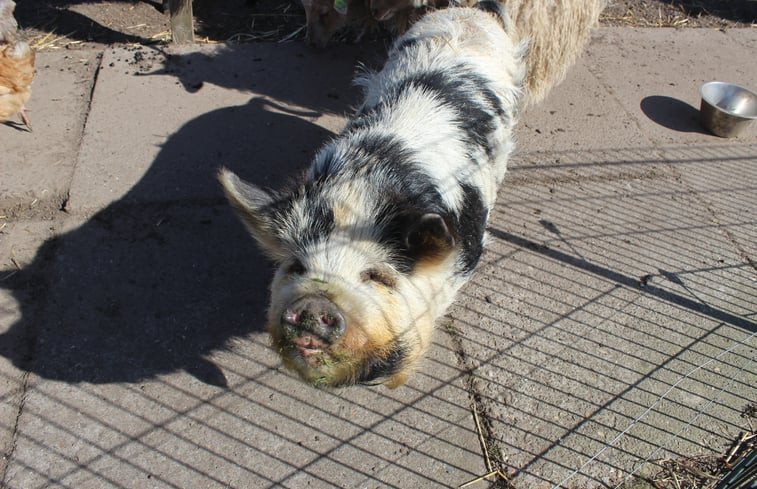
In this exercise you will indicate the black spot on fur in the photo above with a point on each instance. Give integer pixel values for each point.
(466, 228)
(320, 219)
(409, 194)
(317, 224)
(471, 227)
(391, 165)
(328, 165)
(382, 366)
(402, 216)
(459, 88)
(367, 154)
(385, 152)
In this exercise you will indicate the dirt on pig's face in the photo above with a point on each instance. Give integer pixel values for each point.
(337, 317)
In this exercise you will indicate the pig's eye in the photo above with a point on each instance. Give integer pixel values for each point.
(296, 268)
(378, 276)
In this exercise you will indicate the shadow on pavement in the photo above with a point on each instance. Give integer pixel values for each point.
(320, 80)
(672, 113)
(158, 280)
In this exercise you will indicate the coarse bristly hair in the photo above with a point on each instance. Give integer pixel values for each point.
(389, 220)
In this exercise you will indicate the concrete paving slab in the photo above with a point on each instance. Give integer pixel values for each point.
(743, 36)
(265, 430)
(724, 181)
(36, 167)
(581, 113)
(18, 244)
(612, 316)
(258, 108)
(607, 226)
(660, 91)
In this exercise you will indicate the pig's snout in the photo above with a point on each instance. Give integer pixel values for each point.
(316, 315)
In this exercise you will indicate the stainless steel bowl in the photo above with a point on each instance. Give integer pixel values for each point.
(726, 109)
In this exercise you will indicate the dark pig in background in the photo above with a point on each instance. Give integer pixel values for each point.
(324, 18)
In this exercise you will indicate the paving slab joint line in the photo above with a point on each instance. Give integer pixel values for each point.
(483, 424)
(724, 229)
(700, 196)
(629, 116)
(659, 152)
(8, 456)
(85, 121)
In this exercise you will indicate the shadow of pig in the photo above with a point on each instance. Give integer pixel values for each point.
(149, 286)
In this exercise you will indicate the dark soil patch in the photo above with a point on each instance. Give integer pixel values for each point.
(681, 13)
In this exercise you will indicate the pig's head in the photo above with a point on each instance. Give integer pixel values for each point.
(360, 280)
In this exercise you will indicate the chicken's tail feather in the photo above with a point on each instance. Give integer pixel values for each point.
(8, 24)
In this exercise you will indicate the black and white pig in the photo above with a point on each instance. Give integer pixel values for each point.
(388, 222)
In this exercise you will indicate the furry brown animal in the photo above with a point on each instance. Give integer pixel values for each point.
(16, 67)
(557, 33)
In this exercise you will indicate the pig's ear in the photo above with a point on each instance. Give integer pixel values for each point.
(429, 237)
(252, 204)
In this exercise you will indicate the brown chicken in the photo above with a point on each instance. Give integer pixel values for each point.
(16, 67)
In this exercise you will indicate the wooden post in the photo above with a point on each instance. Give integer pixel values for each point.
(182, 26)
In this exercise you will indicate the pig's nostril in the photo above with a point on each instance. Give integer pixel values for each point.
(291, 317)
(316, 315)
